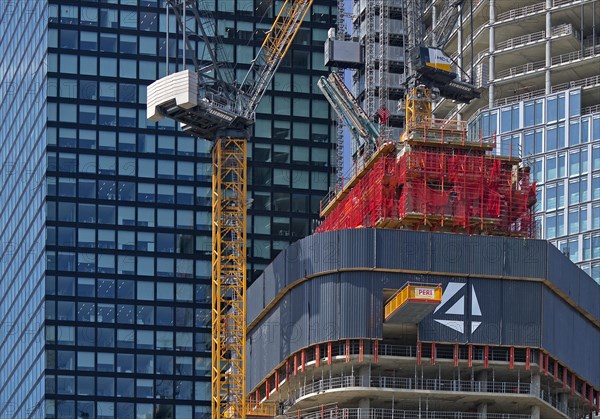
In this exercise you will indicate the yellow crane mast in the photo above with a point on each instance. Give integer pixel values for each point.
(209, 105)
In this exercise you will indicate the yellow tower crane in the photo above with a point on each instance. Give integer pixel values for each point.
(209, 105)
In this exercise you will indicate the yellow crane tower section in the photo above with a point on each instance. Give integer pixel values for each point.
(209, 106)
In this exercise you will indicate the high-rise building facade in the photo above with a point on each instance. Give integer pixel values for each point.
(106, 237)
(537, 63)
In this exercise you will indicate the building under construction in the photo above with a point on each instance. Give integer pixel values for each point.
(436, 180)
(387, 312)
(514, 336)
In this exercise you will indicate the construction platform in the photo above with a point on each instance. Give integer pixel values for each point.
(412, 303)
(434, 178)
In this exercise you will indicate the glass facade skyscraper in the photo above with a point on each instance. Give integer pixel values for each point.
(23, 215)
(560, 142)
(537, 63)
(106, 216)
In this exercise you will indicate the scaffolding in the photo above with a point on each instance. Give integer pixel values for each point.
(436, 179)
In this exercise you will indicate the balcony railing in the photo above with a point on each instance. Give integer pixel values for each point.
(358, 413)
(566, 58)
(560, 30)
(405, 383)
(521, 12)
(591, 109)
(402, 383)
(587, 82)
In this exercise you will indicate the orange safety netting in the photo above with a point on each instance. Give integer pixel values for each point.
(438, 189)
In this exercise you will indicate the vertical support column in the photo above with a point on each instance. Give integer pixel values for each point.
(511, 360)
(456, 355)
(364, 405)
(229, 275)
(535, 384)
(482, 411)
(341, 35)
(548, 80)
(492, 57)
(486, 356)
(470, 356)
(384, 41)
(535, 412)
(295, 364)
(482, 378)
(459, 37)
(563, 399)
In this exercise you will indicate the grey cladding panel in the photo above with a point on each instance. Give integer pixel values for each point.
(255, 299)
(285, 322)
(475, 255)
(486, 255)
(294, 260)
(323, 250)
(557, 268)
(297, 328)
(356, 248)
(570, 337)
(525, 258)
(485, 298)
(279, 271)
(324, 309)
(571, 280)
(263, 348)
(356, 304)
(449, 253)
(410, 250)
(521, 313)
(589, 295)
(271, 286)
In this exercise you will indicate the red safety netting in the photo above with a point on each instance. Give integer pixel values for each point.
(440, 189)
